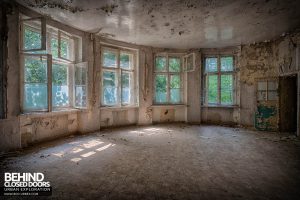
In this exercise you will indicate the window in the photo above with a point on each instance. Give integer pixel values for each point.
(219, 80)
(80, 85)
(35, 82)
(168, 79)
(118, 77)
(267, 90)
(48, 72)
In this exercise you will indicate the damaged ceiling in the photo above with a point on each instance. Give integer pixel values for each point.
(176, 23)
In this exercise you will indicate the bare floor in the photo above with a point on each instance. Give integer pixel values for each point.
(167, 162)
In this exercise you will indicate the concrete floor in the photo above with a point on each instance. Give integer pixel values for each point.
(167, 162)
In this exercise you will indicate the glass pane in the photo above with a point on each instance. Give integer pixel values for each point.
(211, 64)
(126, 88)
(59, 74)
(175, 95)
(60, 95)
(226, 89)
(109, 79)
(110, 95)
(126, 60)
(65, 48)
(54, 47)
(80, 96)
(35, 96)
(80, 75)
(272, 85)
(160, 88)
(227, 63)
(272, 95)
(262, 85)
(261, 95)
(109, 88)
(32, 38)
(174, 64)
(109, 59)
(175, 81)
(160, 63)
(212, 88)
(35, 70)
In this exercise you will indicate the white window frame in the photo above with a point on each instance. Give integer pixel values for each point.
(219, 73)
(43, 34)
(118, 70)
(169, 74)
(49, 32)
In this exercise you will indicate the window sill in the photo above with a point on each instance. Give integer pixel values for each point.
(168, 106)
(220, 106)
(119, 108)
(52, 113)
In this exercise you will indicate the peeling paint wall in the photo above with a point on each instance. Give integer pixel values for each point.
(271, 59)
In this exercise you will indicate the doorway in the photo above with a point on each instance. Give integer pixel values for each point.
(288, 103)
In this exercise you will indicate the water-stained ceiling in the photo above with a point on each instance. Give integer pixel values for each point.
(176, 23)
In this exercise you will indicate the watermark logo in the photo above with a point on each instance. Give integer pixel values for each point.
(25, 184)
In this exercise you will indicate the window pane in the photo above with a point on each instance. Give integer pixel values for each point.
(32, 38)
(80, 75)
(262, 95)
(161, 88)
(109, 79)
(175, 81)
(126, 93)
(262, 85)
(174, 64)
(227, 63)
(212, 88)
(60, 74)
(35, 96)
(125, 60)
(60, 95)
(211, 64)
(272, 95)
(60, 88)
(54, 47)
(175, 89)
(226, 89)
(65, 48)
(110, 95)
(109, 59)
(175, 95)
(80, 96)
(272, 85)
(35, 70)
(109, 88)
(160, 63)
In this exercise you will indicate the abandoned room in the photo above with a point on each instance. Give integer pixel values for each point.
(137, 99)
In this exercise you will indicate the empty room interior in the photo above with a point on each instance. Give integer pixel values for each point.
(137, 99)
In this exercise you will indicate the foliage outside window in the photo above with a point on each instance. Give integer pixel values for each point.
(167, 79)
(118, 83)
(219, 80)
(48, 73)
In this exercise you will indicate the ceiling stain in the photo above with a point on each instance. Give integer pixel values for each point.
(204, 24)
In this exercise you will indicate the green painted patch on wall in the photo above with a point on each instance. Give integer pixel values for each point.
(266, 112)
(263, 118)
